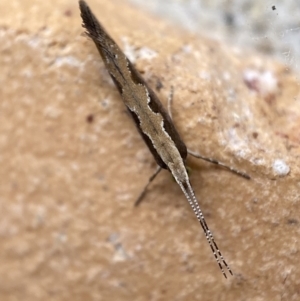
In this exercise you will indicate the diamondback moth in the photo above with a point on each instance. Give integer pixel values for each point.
(153, 122)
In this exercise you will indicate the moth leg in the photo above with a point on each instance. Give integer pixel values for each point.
(170, 102)
(141, 196)
(214, 161)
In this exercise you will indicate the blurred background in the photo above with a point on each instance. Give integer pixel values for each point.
(271, 27)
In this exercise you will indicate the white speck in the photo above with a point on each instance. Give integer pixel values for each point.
(120, 254)
(236, 117)
(236, 143)
(52, 112)
(3, 32)
(75, 166)
(231, 95)
(34, 42)
(265, 83)
(280, 167)
(226, 76)
(133, 53)
(105, 102)
(218, 82)
(61, 237)
(204, 75)
(147, 53)
(125, 197)
(258, 161)
(26, 72)
(67, 60)
(187, 48)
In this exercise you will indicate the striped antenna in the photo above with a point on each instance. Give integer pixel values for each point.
(190, 195)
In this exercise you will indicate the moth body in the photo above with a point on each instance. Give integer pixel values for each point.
(152, 121)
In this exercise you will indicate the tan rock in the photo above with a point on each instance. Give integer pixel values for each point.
(72, 164)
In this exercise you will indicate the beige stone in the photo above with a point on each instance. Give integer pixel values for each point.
(72, 164)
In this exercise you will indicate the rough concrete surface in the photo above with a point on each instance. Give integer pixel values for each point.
(72, 164)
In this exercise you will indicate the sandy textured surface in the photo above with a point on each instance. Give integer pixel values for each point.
(72, 164)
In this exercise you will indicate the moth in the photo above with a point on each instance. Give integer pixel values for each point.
(152, 120)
